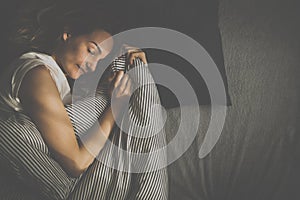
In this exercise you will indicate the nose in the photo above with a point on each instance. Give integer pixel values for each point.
(90, 66)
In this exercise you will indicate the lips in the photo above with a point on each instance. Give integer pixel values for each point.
(81, 69)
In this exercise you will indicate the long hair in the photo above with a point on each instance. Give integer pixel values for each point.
(39, 28)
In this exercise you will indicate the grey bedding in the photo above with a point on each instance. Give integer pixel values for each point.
(252, 163)
(258, 153)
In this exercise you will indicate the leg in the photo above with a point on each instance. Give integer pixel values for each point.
(24, 153)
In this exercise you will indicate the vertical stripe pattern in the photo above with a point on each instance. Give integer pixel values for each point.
(23, 151)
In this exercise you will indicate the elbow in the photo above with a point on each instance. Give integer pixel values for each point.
(74, 164)
(74, 173)
(76, 169)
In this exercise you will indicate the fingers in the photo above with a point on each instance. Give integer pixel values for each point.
(134, 53)
(125, 87)
(111, 76)
(117, 78)
(137, 54)
(121, 84)
(128, 89)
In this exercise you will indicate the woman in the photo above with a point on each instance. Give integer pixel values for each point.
(34, 94)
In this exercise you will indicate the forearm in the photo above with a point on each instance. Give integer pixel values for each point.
(93, 141)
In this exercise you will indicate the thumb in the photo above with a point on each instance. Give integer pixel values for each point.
(117, 78)
(111, 77)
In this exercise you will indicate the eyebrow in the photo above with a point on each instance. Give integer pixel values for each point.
(99, 49)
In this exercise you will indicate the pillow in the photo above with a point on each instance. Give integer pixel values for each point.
(199, 20)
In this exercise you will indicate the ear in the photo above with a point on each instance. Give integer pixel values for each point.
(66, 36)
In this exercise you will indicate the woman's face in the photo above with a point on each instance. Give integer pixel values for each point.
(79, 55)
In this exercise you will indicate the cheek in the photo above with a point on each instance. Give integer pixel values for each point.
(76, 54)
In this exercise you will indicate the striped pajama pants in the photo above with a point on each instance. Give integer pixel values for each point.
(29, 172)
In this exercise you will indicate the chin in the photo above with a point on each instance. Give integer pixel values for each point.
(74, 76)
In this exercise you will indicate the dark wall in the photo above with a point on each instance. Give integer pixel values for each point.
(258, 153)
(197, 19)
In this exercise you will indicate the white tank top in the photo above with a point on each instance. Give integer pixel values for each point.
(10, 87)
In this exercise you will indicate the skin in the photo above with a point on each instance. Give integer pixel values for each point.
(79, 55)
(41, 100)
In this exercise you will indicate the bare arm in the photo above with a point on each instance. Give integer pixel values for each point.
(41, 100)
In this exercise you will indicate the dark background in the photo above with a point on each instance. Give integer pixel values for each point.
(197, 19)
(258, 153)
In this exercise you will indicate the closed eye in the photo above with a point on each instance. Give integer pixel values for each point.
(92, 52)
(97, 46)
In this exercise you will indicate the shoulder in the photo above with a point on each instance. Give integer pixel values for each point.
(39, 73)
(36, 58)
(38, 82)
(38, 69)
(38, 91)
(38, 76)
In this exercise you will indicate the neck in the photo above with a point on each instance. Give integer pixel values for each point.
(54, 54)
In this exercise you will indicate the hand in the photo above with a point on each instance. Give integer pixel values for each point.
(120, 88)
(133, 53)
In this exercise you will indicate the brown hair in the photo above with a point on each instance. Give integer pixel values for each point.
(41, 29)
(36, 25)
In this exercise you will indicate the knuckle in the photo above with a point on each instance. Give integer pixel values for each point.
(126, 92)
(125, 76)
(121, 86)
